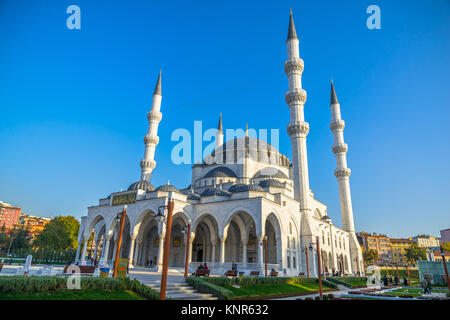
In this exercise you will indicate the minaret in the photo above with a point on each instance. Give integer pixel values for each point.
(342, 173)
(297, 129)
(219, 135)
(151, 139)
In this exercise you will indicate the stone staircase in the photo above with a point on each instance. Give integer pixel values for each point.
(181, 291)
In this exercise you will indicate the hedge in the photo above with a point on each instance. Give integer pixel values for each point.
(215, 285)
(346, 281)
(36, 284)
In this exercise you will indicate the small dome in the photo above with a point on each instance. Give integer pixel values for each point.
(326, 218)
(220, 172)
(239, 187)
(193, 196)
(167, 188)
(270, 173)
(271, 183)
(215, 192)
(141, 185)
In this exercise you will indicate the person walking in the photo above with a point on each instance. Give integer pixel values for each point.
(425, 286)
(385, 281)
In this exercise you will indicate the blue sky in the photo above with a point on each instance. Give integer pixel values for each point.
(73, 103)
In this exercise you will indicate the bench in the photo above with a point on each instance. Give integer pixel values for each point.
(301, 274)
(274, 273)
(202, 273)
(254, 273)
(84, 270)
(231, 273)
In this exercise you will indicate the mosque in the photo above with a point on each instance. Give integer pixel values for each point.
(244, 195)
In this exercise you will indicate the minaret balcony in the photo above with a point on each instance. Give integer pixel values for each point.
(294, 65)
(342, 173)
(340, 148)
(148, 164)
(296, 96)
(154, 116)
(154, 140)
(298, 128)
(337, 125)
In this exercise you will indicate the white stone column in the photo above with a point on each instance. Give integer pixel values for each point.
(131, 253)
(105, 252)
(260, 254)
(160, 253)
(114, 252)
(190, 249)
(95, 251)
(137, 251)
(222, 252)
(83, 255)
(77, 256)
(244, 254)
(213, 253)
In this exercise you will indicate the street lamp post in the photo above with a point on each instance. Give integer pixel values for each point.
(445, 267)
(188, 242)
(160, 217)
(265, 253)
(121, 217)
(318, 268)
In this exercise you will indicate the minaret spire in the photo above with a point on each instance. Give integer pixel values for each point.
(292, 34)
(151, 139)
(342, 174)
(334, 98)
(297, 129)
(158, 85)
(219, 135)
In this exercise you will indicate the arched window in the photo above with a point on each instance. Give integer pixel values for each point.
(288, 243)
(290, 228)
(323, 237)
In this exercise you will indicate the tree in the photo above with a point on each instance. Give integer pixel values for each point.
(59, 234)
(446, 246)
(414, 253)
(21, 239)
(370, 256)
(4, 239)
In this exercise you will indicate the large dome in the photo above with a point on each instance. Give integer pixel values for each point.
(256, 149)
(141, 185)
(270, 173)
(220, 172)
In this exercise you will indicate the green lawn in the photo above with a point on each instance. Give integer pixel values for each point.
(355, 283)
(261, 290)
(95, 294)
